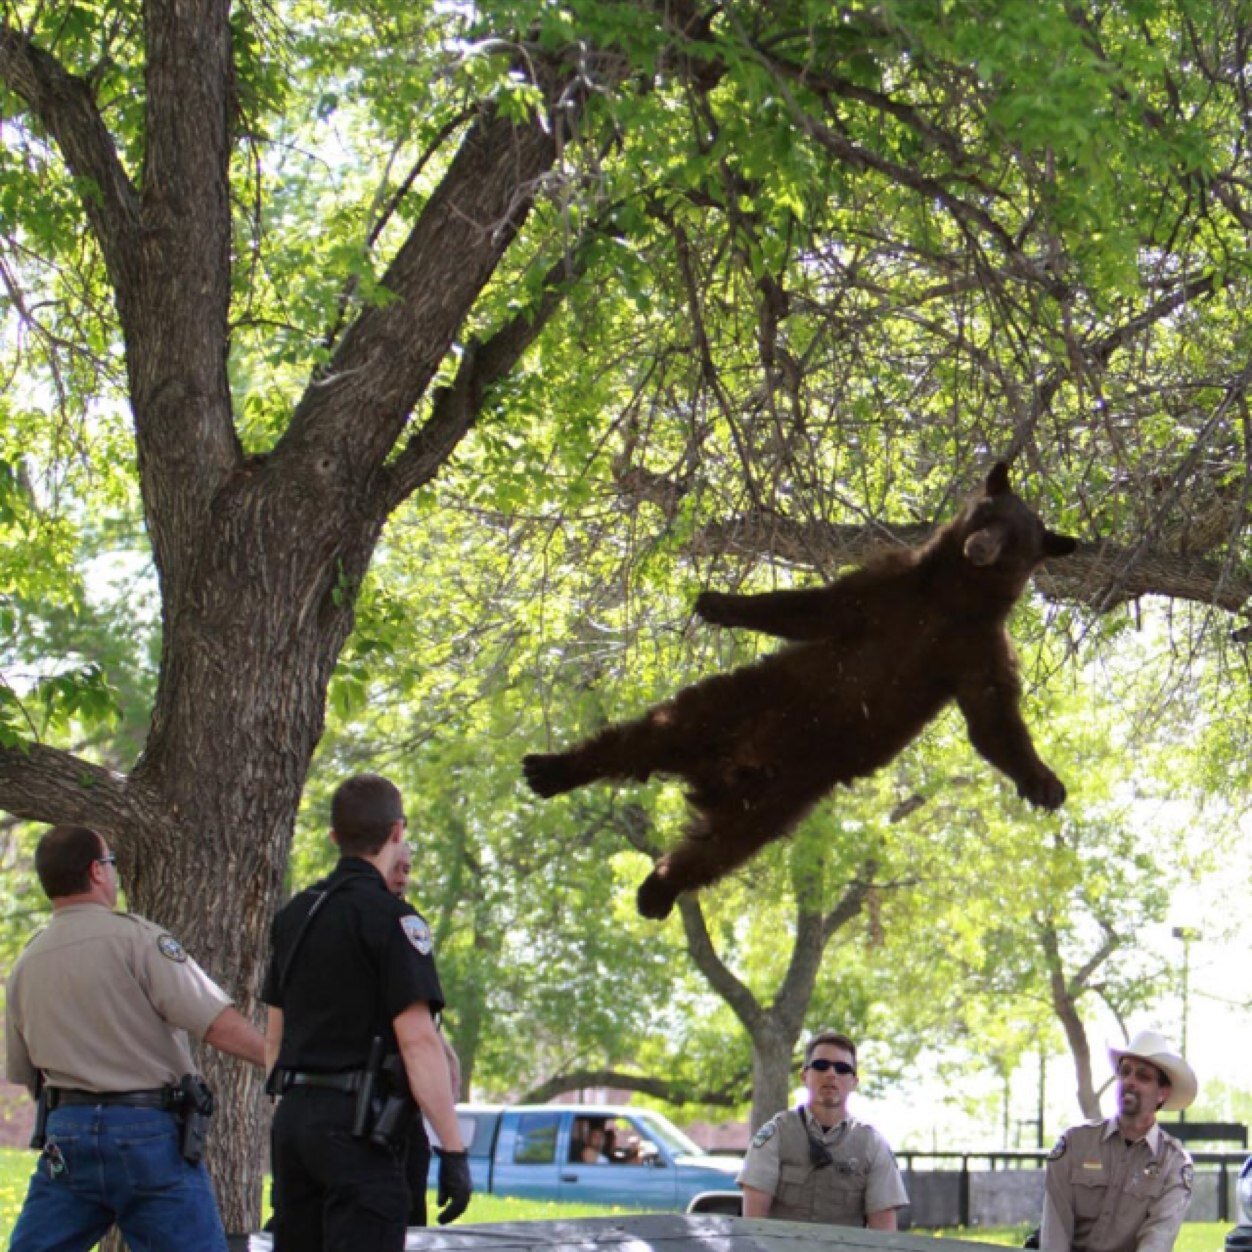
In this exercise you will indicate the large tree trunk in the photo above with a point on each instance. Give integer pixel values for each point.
(772, 1082)
(238, 715)
(260, 558)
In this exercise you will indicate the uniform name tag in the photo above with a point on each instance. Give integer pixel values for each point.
(1096, 1165)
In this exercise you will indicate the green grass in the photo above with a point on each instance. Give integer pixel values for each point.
(16, 1166)
(1195, 1236)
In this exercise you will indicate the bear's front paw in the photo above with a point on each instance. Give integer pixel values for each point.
(655, 898)
(1045, 790)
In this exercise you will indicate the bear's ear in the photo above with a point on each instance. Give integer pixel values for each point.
(1058, 545)
(998, 479)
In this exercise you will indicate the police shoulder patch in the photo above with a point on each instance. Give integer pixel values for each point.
(764, 1135)
(1188, 1177)
(417, 932)
(1059, 1150)
(170, 948)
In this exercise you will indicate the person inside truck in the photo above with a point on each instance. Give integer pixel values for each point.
(593, 1152)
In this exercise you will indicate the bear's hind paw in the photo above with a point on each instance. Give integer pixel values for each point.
(655, 898)
(548, 773)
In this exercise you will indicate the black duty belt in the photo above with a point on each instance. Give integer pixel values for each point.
(152, 1098)
(349, 1081)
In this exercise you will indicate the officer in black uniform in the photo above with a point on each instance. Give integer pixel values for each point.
(352, 983)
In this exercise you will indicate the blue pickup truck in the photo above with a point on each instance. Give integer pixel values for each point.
(589, 1153)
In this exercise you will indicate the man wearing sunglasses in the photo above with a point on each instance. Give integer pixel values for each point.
(816, 1163)
(102, 1007)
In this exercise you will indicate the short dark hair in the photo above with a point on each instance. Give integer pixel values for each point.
(63, 860)
(835, 1039)
(363, 811)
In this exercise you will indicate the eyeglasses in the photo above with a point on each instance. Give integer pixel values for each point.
(840, 1067)
(106, 860)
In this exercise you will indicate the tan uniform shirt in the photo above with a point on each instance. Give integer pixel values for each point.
(1104, 1195)
(104, 1001)
(863, 1178)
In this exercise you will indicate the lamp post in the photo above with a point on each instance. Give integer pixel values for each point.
(1185, 934)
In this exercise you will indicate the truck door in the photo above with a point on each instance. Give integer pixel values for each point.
(526, 1160)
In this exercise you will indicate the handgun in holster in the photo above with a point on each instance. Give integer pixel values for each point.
(391, 1126)
(363, 1114)
(39, 1135)
(194, 1107)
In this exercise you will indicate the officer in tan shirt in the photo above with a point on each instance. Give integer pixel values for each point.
(101, 1008)
(1123, 1185)
(816, 1163)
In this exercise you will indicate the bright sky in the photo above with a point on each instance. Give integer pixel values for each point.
(1219, 1043)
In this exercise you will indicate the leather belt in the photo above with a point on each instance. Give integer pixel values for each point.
(349, 1082)
(152, 1098)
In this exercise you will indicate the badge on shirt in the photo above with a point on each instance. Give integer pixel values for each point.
(170, 948)
(417, 932)
(1059, 1150)
(764, 1135)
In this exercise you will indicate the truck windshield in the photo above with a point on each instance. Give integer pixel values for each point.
(656, 1128)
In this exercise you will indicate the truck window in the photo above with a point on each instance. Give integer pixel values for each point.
(535, 1143)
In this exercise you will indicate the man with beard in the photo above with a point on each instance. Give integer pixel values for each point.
(816, 1163)
(1123, 1185)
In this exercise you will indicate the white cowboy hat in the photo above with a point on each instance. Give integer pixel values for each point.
(1150, 1045)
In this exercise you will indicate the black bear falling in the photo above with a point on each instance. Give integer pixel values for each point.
(871, 659)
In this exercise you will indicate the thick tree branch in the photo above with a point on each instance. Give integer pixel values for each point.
(734, 1092)
(65, 107)
(45, 784)
(1099, 575)
(355, 411)
(456, 408)
(850, 903)
(717, 974)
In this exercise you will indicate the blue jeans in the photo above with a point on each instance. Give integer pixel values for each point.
(121, 1166)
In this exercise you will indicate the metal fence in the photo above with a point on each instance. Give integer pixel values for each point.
(1006, 1188)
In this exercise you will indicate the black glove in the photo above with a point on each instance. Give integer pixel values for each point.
(455, 1187)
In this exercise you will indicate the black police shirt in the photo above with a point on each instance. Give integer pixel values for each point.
(365, 957)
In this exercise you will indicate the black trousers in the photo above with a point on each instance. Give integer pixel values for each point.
(333, 1193)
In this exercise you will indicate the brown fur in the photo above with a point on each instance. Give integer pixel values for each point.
(872, 659)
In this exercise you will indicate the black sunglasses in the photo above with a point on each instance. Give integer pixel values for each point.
(840, 1067)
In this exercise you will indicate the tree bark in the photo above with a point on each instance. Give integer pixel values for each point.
(1065, 993)
(775, 1029)
(260, 559)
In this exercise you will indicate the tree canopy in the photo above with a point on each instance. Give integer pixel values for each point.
(677, 293)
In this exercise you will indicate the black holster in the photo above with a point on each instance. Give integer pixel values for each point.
(363, 1114)
(395, 1116)
(39, 1135)
(194, 1107)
